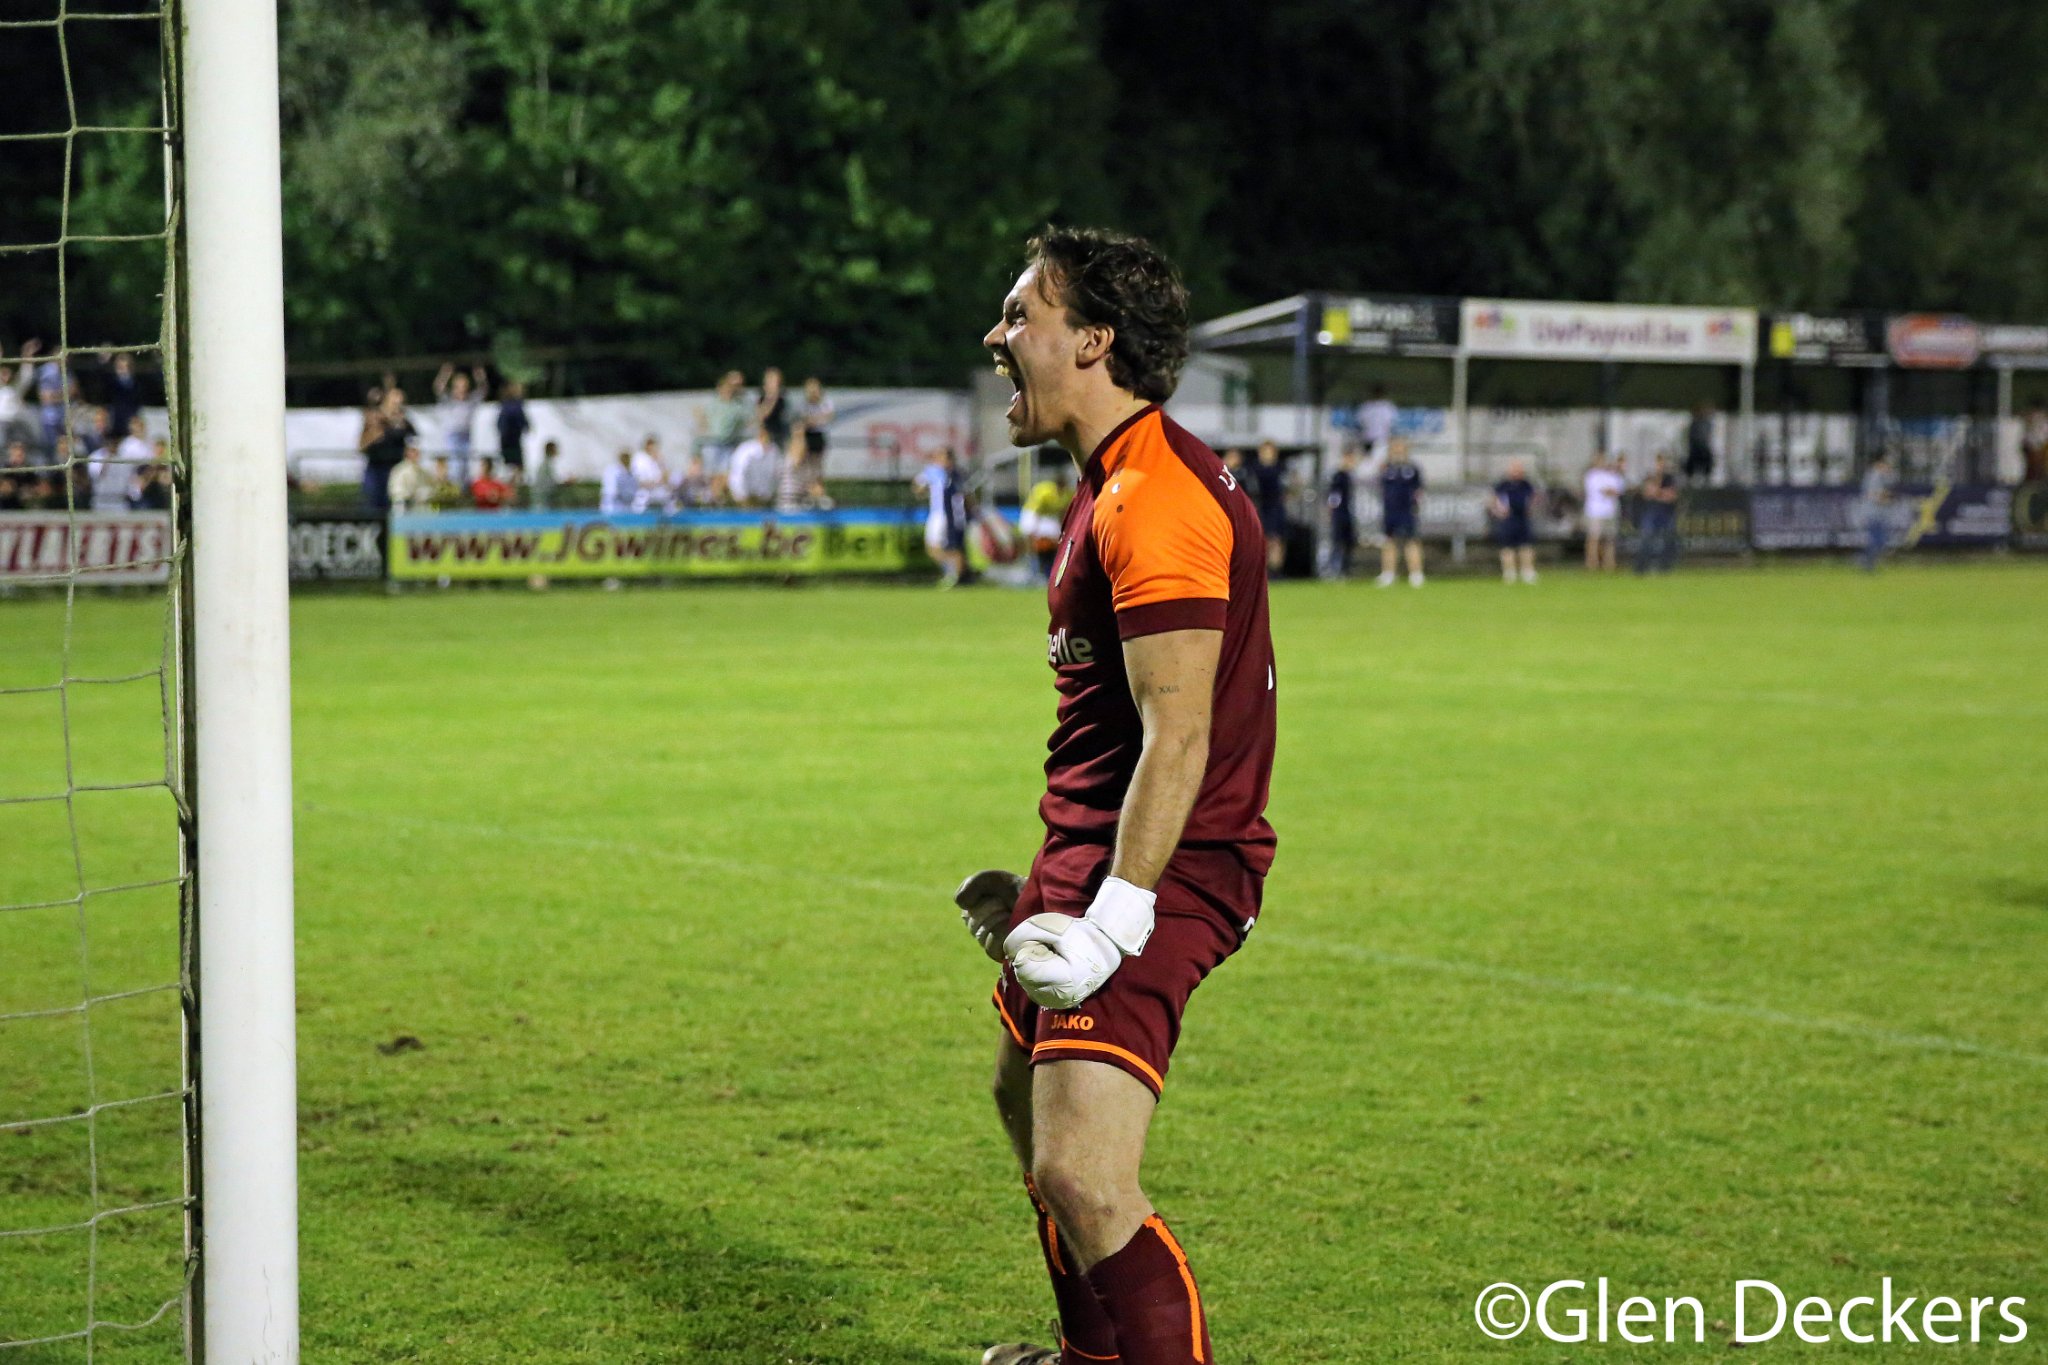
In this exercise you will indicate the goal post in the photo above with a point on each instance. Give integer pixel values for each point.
(228, 333)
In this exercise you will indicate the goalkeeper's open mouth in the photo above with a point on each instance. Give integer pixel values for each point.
(1006, 366)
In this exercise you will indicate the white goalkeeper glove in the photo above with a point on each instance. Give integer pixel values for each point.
(986, 900)
(1061, 960)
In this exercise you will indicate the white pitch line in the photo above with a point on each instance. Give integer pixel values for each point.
(1845, 1028)
(1327, 947)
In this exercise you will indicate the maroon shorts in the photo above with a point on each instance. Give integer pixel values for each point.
(1207, 902)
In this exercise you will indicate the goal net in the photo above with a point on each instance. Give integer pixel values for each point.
(114, 350)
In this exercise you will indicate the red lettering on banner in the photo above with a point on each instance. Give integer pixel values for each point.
(913, 441)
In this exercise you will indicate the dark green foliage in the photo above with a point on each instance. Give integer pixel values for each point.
(651, 190)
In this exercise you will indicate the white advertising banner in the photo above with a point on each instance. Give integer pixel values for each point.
(875, 433)
(103, 547)
(1610, 331)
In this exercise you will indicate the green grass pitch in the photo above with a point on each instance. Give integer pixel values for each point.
(1674, 931)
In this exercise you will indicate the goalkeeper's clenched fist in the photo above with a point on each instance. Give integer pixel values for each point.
(1059, 960)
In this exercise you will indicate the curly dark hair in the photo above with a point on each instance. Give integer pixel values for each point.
(1109, 279)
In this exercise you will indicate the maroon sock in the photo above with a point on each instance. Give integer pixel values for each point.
(1149, 1295)
(1085, 1333)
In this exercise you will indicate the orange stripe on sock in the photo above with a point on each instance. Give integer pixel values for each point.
(1052, 1244)
(1187, 1277)
(1008, 1023)
(1066, 1345)
(1062, 1044)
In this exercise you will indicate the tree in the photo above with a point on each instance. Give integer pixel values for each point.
(370, 95)
(1691, 151)
(826, 186)
(1958, 204)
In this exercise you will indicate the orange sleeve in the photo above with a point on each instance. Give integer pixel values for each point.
(1165, 542)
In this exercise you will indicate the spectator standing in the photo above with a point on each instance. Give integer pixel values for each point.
(49, 402)
(945, 522)
(774, 412)
(155, 493)
(135, 447)
(512, 428)
(94, 430)
(16, 383)
(724, 422)
(817, 412)
(124, 394)
(651, 476)
(1269, 477)
(17, 484)
(790, 477)
(1875, 509)
(1514, 499)
(411, 488)
(1343, 525)
(1657, 522)
(1376, 418)
(1233, 465)
(117, 469)
(754, 469)
(618, 488)
(802, 483)
(459, 400)
(33, 488)
(51, 412)
(544, 476)
(1699, 444)
(2034, 444)
(1604, 486)
(1400, 515)
(387, 431)
(488, 492)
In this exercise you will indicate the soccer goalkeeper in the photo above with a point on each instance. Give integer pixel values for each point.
(1156, 842)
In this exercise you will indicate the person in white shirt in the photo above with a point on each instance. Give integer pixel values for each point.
(135, 448)
(113, 481)
(945, 524)
(1604, 487)
(617, 491)
(116, 469)
(460, 394)
(411, 487)
(652, 477)
(15, 384)
(756, 467)
(1376, 424)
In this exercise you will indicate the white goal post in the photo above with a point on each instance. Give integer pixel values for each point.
(230, 345)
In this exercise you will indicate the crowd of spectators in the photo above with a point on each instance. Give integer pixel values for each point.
(751, 449)
(1381, 460)
(72, 436)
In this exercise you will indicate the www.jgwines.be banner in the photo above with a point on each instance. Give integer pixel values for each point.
(706, 544)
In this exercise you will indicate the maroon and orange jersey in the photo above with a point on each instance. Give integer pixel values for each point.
(1159, 537)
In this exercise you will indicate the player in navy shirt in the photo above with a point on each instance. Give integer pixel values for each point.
(1513, 498)
(1400, 507)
